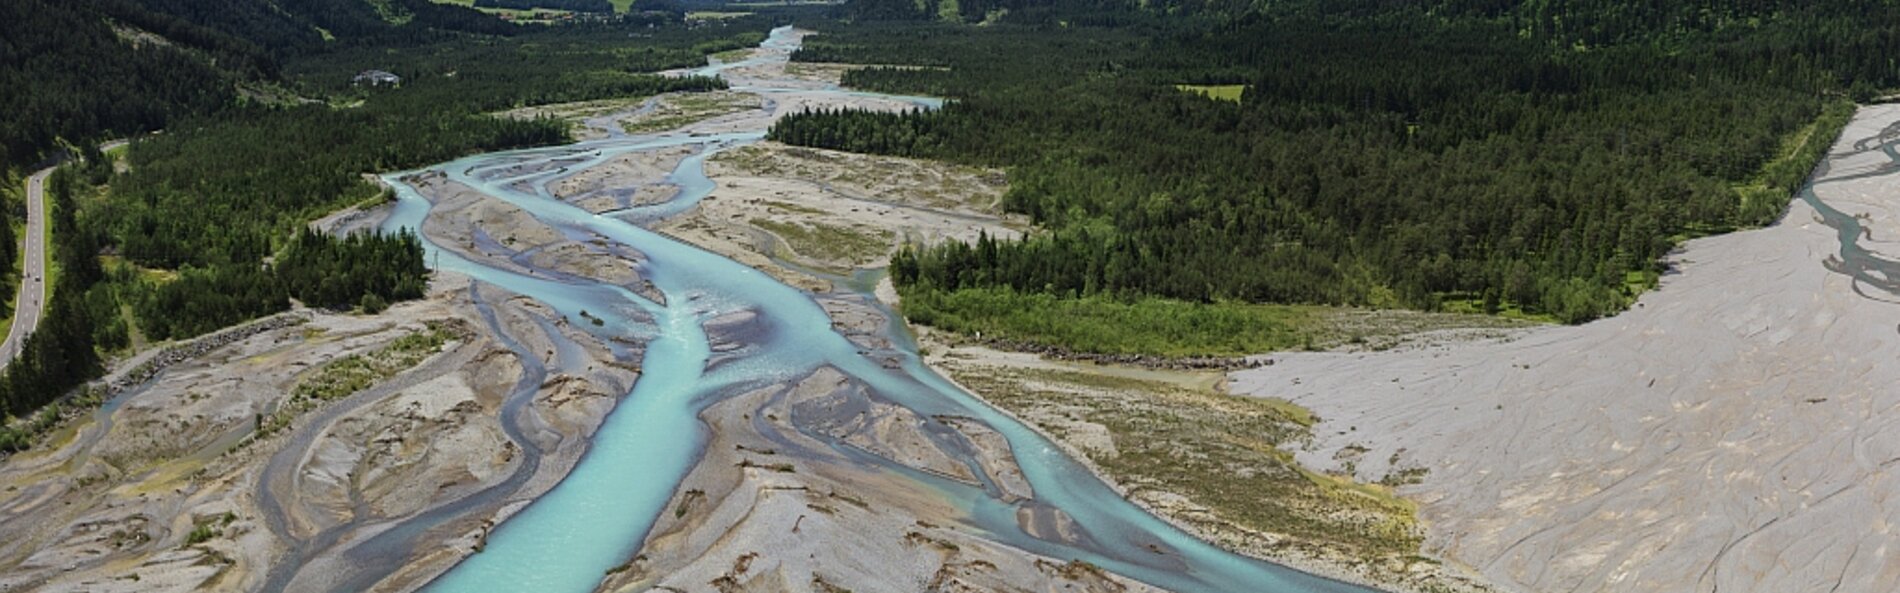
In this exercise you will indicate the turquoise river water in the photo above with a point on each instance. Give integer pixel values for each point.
(598, 515)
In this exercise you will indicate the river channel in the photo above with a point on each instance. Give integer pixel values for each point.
(596, 517)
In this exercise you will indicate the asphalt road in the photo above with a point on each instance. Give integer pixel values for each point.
(32, 298)
(31, 302)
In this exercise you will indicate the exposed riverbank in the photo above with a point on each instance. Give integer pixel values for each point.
(690, 420)
(920, 431)
(151, 492)
(1724, 434)
(879, 201)
(1173, 442)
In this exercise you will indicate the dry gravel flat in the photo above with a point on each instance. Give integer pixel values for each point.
(1734, 432)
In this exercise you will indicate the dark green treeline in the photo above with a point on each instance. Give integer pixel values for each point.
(1383, 153)
(204, 226)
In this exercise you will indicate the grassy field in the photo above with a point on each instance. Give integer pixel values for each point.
(1466, 303)
(1766, 194)
(790, 207)
(619, 6)
(390, 13)
(829, 243)
(687, 108)
(1218, 92)
(350, 374)
(1757, 193)
(732, 55)
(1157, 327)
(1221, 452)
(697, 15)
(949, 11)
(1179, 329)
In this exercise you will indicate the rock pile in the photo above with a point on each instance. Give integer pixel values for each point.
(197, 347)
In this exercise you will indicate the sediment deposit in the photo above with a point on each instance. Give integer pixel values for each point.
(1732, 432)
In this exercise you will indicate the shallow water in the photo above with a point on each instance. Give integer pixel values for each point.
(1869, 269)
(597, 517)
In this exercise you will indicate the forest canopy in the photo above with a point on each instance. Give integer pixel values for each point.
(1527, 156)
(204, 224)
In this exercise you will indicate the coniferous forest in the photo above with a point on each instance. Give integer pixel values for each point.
(1525, 157)
(1528, 157)
(248, 126)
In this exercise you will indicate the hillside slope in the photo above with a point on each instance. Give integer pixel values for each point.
(90, 69)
